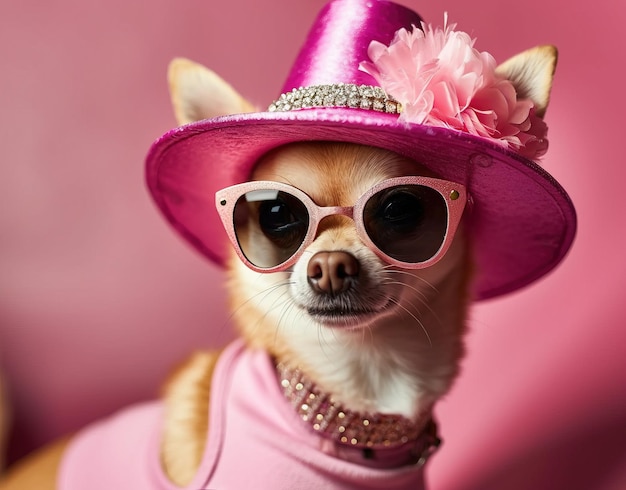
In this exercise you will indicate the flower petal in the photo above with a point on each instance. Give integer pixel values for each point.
(442, 80)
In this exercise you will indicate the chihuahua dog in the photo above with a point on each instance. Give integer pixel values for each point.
(360, 345)
(381, 339)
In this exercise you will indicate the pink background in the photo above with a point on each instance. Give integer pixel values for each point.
(98, 298)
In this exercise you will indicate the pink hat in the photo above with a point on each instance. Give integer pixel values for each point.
(522, 222)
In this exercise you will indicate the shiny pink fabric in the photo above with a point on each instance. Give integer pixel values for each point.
(339, 40)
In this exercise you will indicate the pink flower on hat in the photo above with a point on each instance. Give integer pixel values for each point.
(442, 80)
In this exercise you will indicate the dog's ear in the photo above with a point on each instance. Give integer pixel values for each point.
(532, 72)
(199, 93)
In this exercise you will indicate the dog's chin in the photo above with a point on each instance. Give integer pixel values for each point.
(348, 318)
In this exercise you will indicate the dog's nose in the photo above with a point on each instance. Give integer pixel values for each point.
(332, 272)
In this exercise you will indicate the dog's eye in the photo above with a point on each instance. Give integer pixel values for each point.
(275, 216)
(407, 223)
(403, 211)
(284, 221)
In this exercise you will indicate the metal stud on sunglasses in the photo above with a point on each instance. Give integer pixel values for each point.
(408, 222)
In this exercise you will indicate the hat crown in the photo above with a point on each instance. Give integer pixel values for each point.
(340, 37)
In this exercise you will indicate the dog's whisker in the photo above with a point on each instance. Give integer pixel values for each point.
(428, 307)
(417, 320)
(364, 331)
(323, 343)
(406, 285)
(276, 299)
(420, 294)
(288, 308)
(389, 269)
(326, 344)
(421, 297)
(263, 294)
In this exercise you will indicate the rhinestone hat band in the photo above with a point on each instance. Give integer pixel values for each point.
(358, 430)
(337, 95)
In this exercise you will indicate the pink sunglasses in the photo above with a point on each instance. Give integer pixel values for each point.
(407, 221)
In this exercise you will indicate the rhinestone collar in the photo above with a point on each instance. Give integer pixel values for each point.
(378, 440)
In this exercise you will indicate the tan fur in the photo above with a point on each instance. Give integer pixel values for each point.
(532, 72)
(37, 471)
(431, 309)
(186, 396)
(198, 93)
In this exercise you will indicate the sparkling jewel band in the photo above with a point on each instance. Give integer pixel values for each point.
(337, 95)
(330, 419)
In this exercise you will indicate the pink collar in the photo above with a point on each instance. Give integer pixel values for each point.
(375, 440)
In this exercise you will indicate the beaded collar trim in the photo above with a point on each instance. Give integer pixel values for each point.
(337, 95)
(367, 435)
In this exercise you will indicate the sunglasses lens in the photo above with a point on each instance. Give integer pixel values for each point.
(270, 226)
(408, 222)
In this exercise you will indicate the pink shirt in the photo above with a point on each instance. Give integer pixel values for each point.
(255, 441)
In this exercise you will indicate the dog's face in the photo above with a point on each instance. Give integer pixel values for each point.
(339, 292)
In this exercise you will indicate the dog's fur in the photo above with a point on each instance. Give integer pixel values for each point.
(400, 357)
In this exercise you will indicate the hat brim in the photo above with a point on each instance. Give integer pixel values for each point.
(522, 221)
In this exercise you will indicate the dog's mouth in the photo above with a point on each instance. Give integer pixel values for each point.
(346, 317)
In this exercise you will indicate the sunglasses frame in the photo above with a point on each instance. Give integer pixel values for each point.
(454, 195)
